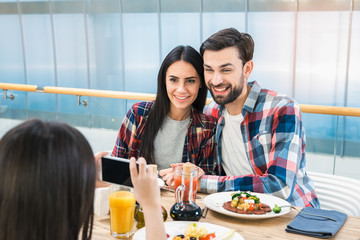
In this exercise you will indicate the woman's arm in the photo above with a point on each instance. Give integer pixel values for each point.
(147, 193)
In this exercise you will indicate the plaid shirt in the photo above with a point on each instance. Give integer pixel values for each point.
(274, 139)
(199, 146)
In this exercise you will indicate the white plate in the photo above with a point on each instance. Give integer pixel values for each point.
(215, 202)
(161, 182)
(175, 228)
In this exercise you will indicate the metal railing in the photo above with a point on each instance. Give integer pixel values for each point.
(305, 108)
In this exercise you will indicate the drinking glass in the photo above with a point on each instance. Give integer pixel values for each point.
(178, 179)
(122, 208)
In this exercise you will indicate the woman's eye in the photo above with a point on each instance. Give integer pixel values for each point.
(173, 79)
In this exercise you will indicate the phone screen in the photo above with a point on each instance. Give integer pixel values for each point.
(116, 170)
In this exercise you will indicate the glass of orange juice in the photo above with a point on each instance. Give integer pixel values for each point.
(122, 208)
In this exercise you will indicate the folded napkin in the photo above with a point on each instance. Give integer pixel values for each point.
(101, 201)
(317, 222)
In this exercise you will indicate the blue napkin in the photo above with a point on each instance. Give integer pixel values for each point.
(325, 225)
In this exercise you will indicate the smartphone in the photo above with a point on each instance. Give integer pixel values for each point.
(116, 170)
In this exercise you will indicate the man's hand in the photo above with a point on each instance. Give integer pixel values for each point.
(168, 174)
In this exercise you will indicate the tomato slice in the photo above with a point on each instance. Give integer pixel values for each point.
(208, 237)
(251, 208)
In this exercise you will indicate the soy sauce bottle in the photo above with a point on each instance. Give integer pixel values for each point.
(185, 208)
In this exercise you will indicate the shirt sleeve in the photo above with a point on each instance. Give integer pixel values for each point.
(126, 135)
(285, 156)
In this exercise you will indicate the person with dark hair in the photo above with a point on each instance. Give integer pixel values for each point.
(260, 136)
(172, 129)
(47, 182)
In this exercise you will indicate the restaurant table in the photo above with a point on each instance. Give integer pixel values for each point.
(271, 228)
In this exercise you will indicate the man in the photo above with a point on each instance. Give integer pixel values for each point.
(260, 136)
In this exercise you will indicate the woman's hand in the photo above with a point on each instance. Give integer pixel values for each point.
(147, 193)
(97, 157)
(146, 188)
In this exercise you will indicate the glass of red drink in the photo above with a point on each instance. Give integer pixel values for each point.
(180, 178)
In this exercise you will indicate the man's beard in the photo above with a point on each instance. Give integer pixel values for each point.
(232, 96)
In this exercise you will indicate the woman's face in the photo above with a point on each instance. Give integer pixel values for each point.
(182, 86)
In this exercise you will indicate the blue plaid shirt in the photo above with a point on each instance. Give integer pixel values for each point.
(274, 139)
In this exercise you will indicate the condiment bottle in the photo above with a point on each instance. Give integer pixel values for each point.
(185, 208)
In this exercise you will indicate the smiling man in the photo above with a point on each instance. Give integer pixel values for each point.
(260, 136)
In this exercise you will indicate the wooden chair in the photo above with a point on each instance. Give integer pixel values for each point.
(337, 192)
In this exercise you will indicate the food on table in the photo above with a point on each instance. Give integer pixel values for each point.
(276, 209)
(195, 232)
(245, 203)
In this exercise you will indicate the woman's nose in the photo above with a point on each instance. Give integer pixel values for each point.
(181, 87)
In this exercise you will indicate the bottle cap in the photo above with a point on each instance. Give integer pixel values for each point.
(188, 167)
(152, 167)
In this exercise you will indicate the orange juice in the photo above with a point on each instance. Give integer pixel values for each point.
(122, 207)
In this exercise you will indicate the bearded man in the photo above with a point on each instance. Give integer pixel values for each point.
(260, 136)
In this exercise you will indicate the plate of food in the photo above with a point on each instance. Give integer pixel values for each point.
(248, 205)
(183, 230)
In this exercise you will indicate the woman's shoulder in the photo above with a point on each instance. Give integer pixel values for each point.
(141, 108)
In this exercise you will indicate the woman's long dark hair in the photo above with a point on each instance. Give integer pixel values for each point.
(161, 105)
(47, 182)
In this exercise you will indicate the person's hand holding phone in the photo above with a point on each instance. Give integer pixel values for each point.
(97, 158)
(147, 194)
(144, 180)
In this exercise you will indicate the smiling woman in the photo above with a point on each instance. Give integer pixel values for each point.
(174, 119)
(182, 86)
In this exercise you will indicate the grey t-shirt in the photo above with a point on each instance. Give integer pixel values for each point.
(169, 142)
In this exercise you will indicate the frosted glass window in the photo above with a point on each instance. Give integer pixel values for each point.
(273, 34)
(39, 59)
(11, 64)
(215, 21)
(141, 51)
(179, 29)
(321, 57)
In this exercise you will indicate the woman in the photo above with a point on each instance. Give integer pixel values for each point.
(172, 129)
(47, 181)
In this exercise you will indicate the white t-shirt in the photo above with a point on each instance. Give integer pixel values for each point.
(234, 159)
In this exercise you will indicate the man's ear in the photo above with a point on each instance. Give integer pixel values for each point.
(248, 67)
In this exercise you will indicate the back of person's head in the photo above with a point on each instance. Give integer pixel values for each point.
(230, 37)
(47, 181)
(187, 54)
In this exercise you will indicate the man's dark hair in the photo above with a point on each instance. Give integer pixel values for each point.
(230, 37)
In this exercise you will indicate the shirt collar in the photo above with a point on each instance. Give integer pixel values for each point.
(252, 97)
